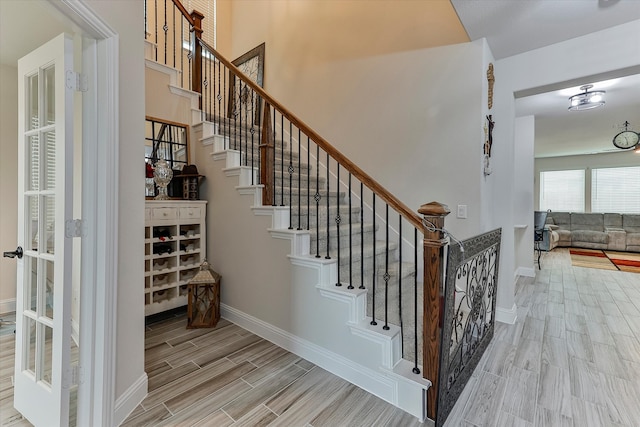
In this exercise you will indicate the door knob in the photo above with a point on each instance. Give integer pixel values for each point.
(17, 253)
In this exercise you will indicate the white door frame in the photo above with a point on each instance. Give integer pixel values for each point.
(96, 394)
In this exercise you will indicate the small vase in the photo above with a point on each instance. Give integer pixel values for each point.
(162, 175)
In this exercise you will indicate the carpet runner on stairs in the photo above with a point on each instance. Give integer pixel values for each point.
(365, 259)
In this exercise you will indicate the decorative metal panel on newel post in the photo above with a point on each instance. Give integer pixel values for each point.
(203, 310)
(469, 314)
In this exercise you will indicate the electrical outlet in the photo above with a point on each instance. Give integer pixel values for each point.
(462, 211)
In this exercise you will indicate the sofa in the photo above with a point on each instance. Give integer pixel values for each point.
(609, 231)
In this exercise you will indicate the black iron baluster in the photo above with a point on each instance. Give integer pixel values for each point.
(206, 90)
(155, 19)
(386, 270)
(317, 198)
(154, 153)
(328, 196)
(299, 184)
(225, 107)
(350, 239)
(234, 112)
(212, 81)
(253, 132)
(415, 369)
(400, 282)
(212, 103)
(373, 285)
(274, 156)
(181, 53)
(219, 112)
(281, 160)
(189, 57)
(174, 36)
(145, 20)
(290, 176)
(259, 130)
(361, 236)
(165, 28)
(338, 220)
(238, 112)
(308, 183)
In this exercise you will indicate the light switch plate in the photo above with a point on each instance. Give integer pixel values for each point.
(462, 211)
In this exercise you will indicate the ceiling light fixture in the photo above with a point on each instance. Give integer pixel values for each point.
(586, 100)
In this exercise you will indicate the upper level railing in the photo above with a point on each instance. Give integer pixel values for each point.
(350, 216)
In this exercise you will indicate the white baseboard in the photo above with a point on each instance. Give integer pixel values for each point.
(374, 382)
(509, 316)
(130, 399)
(8, 306)
(526, 272)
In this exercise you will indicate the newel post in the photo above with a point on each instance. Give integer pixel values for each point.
(196, 49)
(267, 157)
(434, 243)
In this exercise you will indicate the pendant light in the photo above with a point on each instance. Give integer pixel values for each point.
(586, 100)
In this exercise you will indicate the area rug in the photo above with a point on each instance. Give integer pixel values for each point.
(625, 261)
(605, 260)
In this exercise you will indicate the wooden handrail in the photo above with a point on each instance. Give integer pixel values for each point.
(184, 12)
(344, 161)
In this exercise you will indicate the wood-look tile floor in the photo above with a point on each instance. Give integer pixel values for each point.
(571, 359)
(229, 376)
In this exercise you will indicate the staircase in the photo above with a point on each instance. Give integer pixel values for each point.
(362, 259)
(355, 330)
(316, 250)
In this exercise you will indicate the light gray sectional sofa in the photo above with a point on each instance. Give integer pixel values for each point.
(610, 231)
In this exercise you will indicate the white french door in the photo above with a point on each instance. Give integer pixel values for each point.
(45, 189)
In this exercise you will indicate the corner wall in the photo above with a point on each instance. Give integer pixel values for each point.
(8, 183)
(523, 205)
(126, 18)
(612, 52)
(411, 119)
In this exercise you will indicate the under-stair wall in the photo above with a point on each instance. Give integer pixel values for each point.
(292, 299)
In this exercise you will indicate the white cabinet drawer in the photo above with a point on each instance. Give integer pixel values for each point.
(164, 213)
(190, 212)
(147, 214)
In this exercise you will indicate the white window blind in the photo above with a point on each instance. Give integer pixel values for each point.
(208, 9)
(562, 190)
(616, 190)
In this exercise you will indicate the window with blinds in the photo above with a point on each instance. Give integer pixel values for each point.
(615, 190)
(208, 9)
(42, 176)
(562, 190)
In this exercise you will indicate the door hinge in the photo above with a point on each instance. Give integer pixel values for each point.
(77, 81)
(74, 375)
(74, 228)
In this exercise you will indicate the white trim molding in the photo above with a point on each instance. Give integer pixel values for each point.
(508, 316)
(96, 402)
(8, 306)
(127, 402)
(525, 272)
(384, 383)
